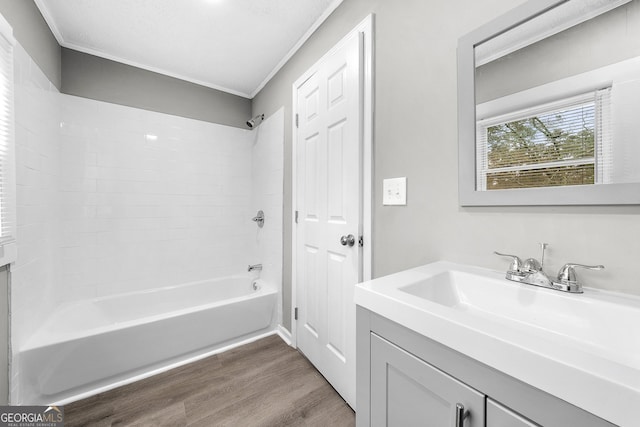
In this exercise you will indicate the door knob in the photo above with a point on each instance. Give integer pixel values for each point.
(349, 240)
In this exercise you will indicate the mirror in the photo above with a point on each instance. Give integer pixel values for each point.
(548, 96)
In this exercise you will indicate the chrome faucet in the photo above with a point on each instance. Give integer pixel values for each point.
(259, 218)
(531, 272)
(255, 267)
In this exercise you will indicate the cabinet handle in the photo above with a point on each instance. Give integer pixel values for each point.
(461, 414)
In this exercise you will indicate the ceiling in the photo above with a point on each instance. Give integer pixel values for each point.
(231, 45)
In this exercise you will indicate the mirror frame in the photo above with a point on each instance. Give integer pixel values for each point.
(605, 194)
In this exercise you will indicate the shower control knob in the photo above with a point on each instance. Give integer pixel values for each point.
(349, 240)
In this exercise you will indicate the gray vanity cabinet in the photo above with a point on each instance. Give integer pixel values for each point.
(499, 416)
(406, 391)
(406, 379)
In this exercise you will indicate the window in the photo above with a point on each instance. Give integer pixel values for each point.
(7, 174)
(555, 144)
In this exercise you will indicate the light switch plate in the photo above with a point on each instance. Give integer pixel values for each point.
(394, 191)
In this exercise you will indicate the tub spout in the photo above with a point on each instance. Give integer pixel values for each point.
(255, 267)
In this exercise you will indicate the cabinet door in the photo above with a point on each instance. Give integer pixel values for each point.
(500, 416)
(406, 391)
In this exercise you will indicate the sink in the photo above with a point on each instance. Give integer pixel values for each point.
(443, 288)
(537, 335)
(591, 320)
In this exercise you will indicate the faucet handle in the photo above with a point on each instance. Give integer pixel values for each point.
(567, 273)
(516, 262)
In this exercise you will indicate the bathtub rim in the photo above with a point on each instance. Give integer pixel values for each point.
(36, 340)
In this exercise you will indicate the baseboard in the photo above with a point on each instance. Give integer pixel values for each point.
(285, 335)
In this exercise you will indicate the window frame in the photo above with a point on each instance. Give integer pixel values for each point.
(601, 100)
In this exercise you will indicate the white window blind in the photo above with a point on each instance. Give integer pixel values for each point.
(566, 142)
(7, 155)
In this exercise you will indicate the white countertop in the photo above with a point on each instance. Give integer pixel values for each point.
(581, 348)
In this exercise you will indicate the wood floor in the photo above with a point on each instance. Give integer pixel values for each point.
(265, 383)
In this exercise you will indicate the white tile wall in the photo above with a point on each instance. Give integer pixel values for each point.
(148, 199)
(267, 194)
(114, 199)
(33, 293)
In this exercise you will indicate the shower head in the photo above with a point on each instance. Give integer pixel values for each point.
(255, 121)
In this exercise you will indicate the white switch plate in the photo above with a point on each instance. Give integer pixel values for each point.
(394, 191)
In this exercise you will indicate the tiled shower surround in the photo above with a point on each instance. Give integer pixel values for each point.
(148, 199)
(114, 199)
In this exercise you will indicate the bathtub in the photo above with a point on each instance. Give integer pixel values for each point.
(90, 346)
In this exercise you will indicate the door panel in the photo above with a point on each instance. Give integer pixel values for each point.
(406, 391)
(312, 300)
(336, 318)
(328, 194)
(312, 180)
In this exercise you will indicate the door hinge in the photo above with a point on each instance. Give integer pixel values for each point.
(297, 123)
(295, 313)
(361, 241)
(296, 218)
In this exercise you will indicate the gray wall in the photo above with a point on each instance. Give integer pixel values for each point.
(92, 77)
(604, 40)
(416, 136)
(32, 32)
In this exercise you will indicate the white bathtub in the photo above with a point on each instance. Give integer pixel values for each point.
(90, 346)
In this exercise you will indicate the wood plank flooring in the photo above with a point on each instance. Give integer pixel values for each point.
(264, 383)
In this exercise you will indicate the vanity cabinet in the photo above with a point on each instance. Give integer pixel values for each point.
(499, 416)
(406, 379)
(406, 391)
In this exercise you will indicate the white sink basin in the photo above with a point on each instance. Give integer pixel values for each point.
(583, 348)
(443, 288)
(592, 319)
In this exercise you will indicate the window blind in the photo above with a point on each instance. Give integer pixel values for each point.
(562, 143)
(7, 159)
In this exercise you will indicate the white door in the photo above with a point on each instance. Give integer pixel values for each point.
(328, 194)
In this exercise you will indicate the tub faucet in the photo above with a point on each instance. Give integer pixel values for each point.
(530, 272)
(255, 267)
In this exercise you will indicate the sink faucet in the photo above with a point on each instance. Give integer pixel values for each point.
(531, 272)
(255, 267)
